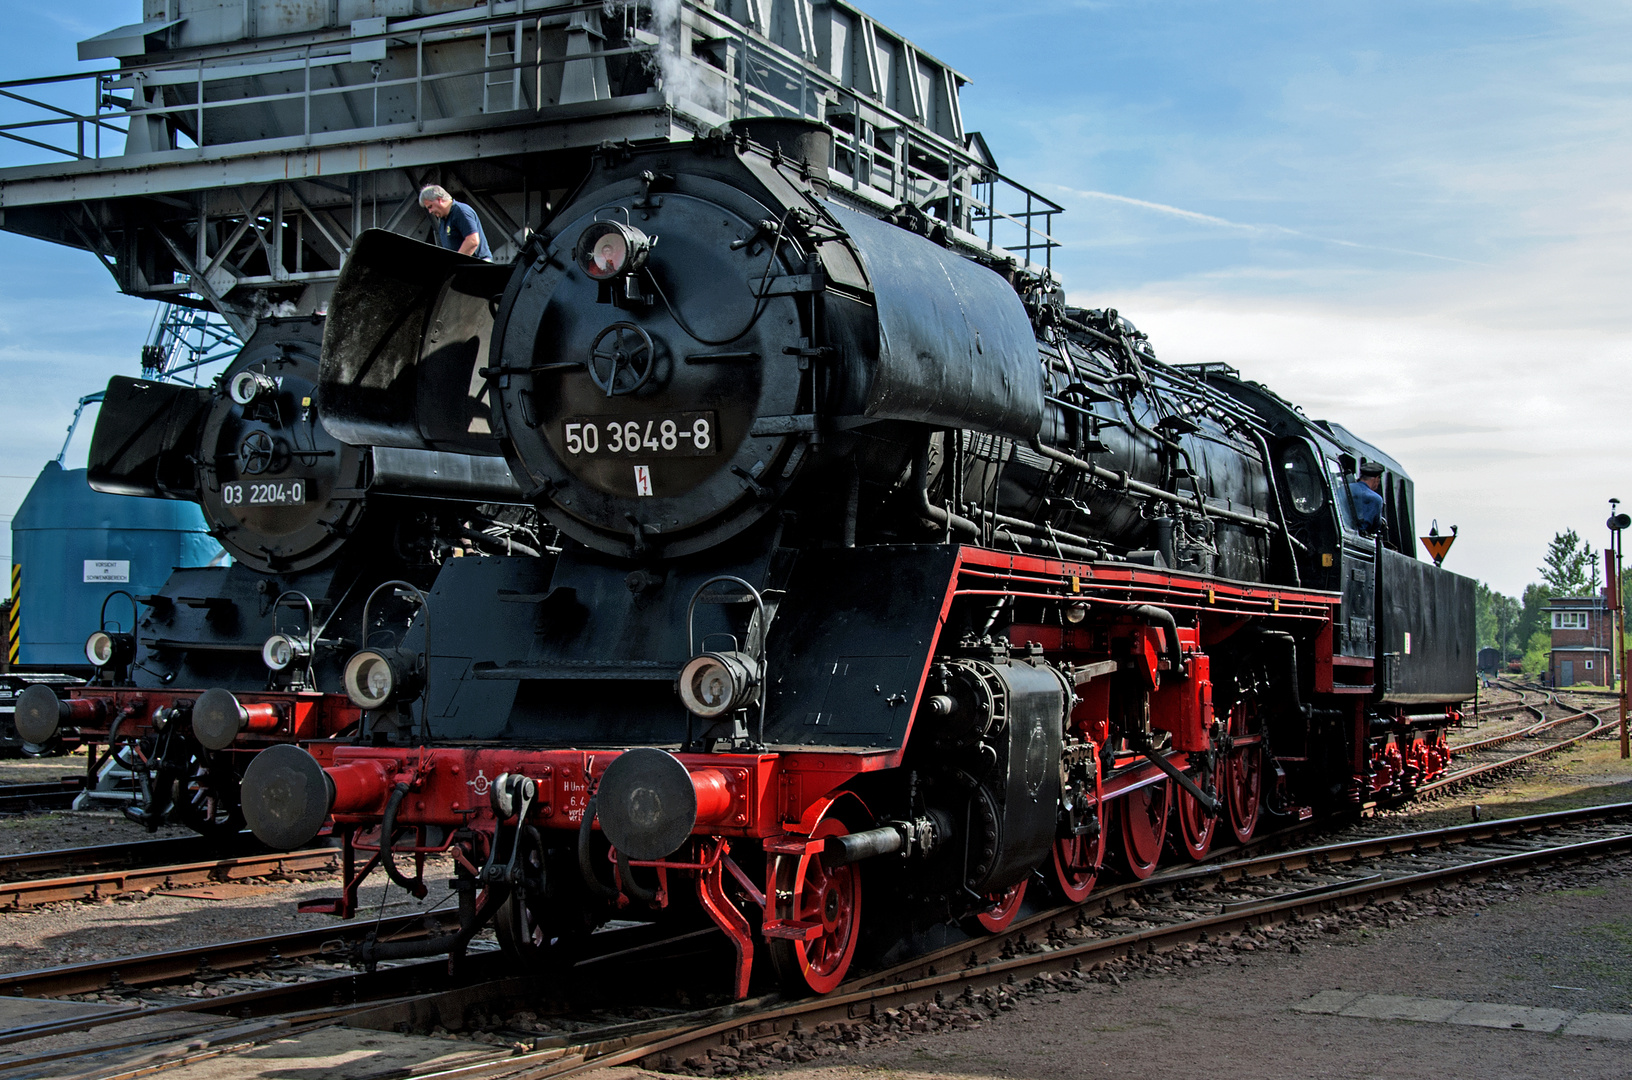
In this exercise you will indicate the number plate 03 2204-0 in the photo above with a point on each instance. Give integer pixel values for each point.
(264, 493)
(688, 434)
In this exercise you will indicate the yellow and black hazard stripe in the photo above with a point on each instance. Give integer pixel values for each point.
(14, 625)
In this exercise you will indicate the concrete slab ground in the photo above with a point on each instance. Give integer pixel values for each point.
(1472, 1013)
(337, 1053)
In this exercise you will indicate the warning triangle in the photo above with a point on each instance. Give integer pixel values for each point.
(1438, 545)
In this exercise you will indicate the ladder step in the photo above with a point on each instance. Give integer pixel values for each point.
(793, 844)
(793, 931)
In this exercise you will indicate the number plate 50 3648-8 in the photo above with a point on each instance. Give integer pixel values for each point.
(688, 434)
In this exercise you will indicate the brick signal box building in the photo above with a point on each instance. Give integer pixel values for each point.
(1581, 641)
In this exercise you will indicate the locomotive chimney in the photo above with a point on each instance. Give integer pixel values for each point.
(807, 142)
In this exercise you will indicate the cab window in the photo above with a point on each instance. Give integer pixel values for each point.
(1340, 483)
(1305, 488)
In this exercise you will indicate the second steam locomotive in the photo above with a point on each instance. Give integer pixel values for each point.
(883, 573)
(329, 544)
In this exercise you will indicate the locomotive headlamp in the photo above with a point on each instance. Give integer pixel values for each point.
(712, 684)
(1076, 612)
(378, 677)
(246, 386)
(608, 249)
(104, 650)
(282, 650)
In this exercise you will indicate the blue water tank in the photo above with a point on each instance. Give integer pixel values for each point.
(71, 547)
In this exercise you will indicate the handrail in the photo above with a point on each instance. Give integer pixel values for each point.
(962, 194)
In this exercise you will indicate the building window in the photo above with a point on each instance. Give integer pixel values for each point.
(1589, 665)
(1570, 620)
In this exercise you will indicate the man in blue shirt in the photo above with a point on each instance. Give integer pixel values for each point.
(455, 226)
(1366, 498)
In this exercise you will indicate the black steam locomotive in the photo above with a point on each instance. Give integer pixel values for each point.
(229, 658)
(880, 563)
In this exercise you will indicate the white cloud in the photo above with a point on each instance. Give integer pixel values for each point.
(1243, 227)
(1509, 435)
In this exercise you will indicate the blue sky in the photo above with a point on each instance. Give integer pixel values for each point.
(1411, 218)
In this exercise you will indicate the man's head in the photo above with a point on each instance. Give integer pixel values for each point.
(1371, 475)
(436, 200)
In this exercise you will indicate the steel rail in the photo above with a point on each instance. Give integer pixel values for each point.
(149, 852)
(864, 1002)
(54, 795)
(220, 956)
(1265, 866)
(485, 976)
(1523, 733)
(910, 979)
(366, 990)
(982, 960)
(1474, 772)
(94, 886)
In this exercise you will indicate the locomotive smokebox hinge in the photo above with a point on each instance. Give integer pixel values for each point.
(815, 353)
(787, 284)
(795, 424)
(807, 354)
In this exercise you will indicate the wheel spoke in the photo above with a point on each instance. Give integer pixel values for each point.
(829, 898)
(1144, 827)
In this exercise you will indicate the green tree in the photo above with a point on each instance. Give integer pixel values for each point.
(1496, 616)
(1531, 616)
(1536, 651)
(1505, 614)
(1570, 567)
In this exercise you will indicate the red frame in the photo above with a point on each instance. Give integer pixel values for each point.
(779, 798)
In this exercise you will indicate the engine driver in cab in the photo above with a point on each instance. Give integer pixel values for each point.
(1366, 496)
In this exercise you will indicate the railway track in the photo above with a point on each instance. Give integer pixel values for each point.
(97, 885)
(175, 849)
(1189, 908)
(1479, 770)
(297, 981)
(1183, 908)
(46, 795)
(290, 971)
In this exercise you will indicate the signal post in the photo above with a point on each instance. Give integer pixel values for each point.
(1618, 523)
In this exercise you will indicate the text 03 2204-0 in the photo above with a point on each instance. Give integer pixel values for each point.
(267, 493)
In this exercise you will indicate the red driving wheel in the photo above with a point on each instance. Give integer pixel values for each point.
(1004, 907)
(1196, 828)
(1241, 780)
(1144, 826)
(1077, 859)
(828, 897)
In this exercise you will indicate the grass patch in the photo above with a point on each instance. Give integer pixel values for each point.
(1619, 932)
(32, 821)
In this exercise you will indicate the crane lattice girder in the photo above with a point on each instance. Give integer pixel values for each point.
(312, 134)
(143, 219)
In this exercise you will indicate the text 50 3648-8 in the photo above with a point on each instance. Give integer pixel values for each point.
(689, 434)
